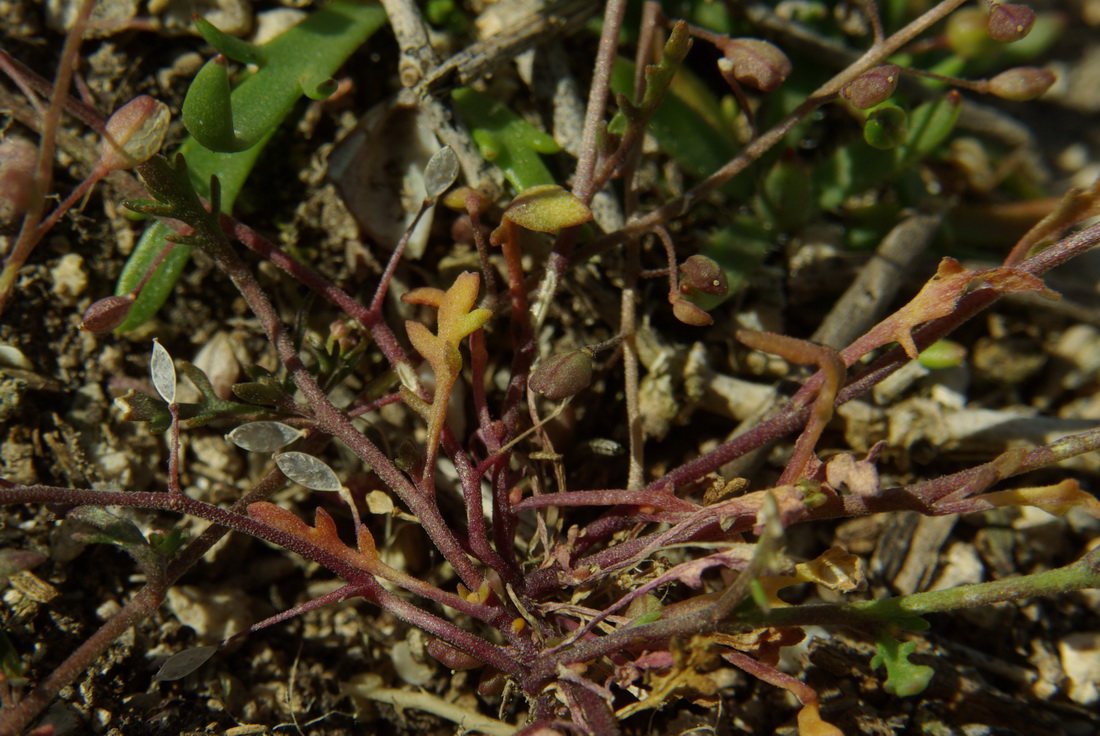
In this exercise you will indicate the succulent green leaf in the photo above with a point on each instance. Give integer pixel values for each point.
(207, 111)
(117, 531)
(314, 49)
(262, 394)
(929, 126)
(506, 139)
(689, 125)
(234, 48)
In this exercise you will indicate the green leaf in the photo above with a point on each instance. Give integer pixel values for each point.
(236, 49)
(11, 664)
(688, 125)
(18, 560)
(112, 529)
(506, 139)
(904, 678)
(929, 126)
(263, 393)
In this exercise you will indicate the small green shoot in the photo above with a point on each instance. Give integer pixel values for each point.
(904, 678)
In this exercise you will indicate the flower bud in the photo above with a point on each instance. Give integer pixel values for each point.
(134, 133)
(106, 314)
(563, 375)
(19, 190)
(690, 314)
(702, 274)
(873, 87)
(967, 33)
(754, 63)
(1009, 22)
(451, 656)
(1022, 83)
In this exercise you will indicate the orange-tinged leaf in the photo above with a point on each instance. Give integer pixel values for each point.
(1057, 499)
(456, 320)
(423, 295)
(810, 723)
(547, 209)
(278, 517)
(473, 321)
(324, 528)
(939, 296)
(367, 547)
(427, 344)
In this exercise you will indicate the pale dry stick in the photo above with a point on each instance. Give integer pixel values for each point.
(29, 234)
(558, 261)
(628, 317)
(427, 79)
(759, 146)
(598, 95)
(865, 301)
(417, 61)
(627, 324)
(547, 21)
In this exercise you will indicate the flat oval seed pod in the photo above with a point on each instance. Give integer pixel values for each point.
(441, 172)
(263, 436)
(163, 372)
(308, 471)
(179, 666)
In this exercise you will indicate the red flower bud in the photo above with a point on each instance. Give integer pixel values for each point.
(106, 314)
(702, 274)
(18, 187)
(564, 375)
(134, 133)
(872, 87)
(450, 656)
(1022, 83)
(754, 63)
(1009, 22)
(690, 314)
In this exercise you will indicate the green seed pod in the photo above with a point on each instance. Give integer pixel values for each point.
(886, 127)
(968, 34)
(942, 354)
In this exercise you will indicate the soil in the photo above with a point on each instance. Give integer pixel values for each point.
(1002, 669)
